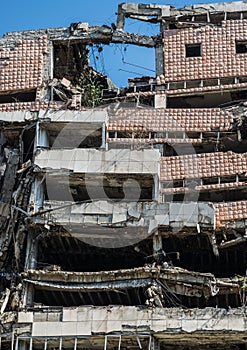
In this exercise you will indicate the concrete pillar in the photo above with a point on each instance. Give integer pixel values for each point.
(120, 18)
(156, 188)
(38, 192)
(157, 242)
(30, 264)
(103, 144)
(32, 252)
(2, 138)
(41, 138)
(159, 59)
(154, 344)
(28, 295)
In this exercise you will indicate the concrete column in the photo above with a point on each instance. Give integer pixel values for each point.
(120, 18)
(51, 62)
(2, 138)
(31, 253)
(156, 188)
(159, 60)
(239, 135)
(28, 295)
(30, 264)
(103, 144)
(34, 254)
(154, 344)
(38, 191)
(157, 242)
(41, 138)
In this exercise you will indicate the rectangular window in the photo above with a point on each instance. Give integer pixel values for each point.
(241, 46)
(193, 50)
(22, 96)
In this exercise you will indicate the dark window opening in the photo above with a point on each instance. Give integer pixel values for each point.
(193, 50)
(129, 188)
(241, 46)
(127, 297)
(221, 301)
(174, 135)
(167, 184)
(178, 183)
(176, 85)
(210, 100)
(73, 135)
(25, 96)
(72, 254)
(242, 79)
(196, 254)
(193, 84)
(193, 135)
(169, 151)
(226, 195)
(112, 135)
(6, 344)
(28, 144)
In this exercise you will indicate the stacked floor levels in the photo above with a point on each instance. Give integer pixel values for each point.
(123, 211)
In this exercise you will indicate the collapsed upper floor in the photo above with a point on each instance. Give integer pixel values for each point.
(200, 50)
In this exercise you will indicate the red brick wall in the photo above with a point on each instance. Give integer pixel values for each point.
(219, 58)
(22, 68)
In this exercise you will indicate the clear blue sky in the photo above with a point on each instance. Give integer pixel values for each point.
(17, 15)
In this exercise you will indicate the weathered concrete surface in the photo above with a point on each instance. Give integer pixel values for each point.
(95, 34)
(6, 213)
(142, 214)
(86, 116)
(16, 117)
(181, 281)
(104, 162)
(64, 116)
(105, 320)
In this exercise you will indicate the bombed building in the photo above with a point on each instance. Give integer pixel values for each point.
(123, 211)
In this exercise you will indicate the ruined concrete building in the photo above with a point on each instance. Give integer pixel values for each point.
(123, 211)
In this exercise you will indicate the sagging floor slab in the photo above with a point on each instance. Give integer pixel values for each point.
(170, 286)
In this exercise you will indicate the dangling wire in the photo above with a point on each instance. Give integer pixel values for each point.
(101, 57)
(136, 65)
(94, 59)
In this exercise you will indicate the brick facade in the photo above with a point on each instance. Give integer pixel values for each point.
(21, 68)
(219, 57)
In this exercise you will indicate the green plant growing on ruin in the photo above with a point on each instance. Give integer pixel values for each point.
(94, 94)
(91, 89)
(243, 280)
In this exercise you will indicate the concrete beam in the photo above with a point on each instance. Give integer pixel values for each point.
(141, 215)
(92, 161)
(181, 281)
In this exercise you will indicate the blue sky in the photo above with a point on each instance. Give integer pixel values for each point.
(17, 15)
